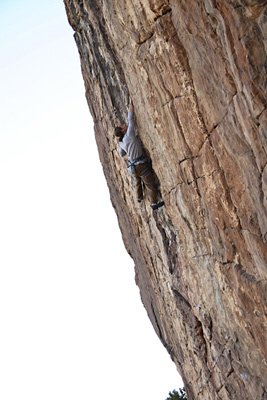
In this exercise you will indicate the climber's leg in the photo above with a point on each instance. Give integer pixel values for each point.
(151, 185)
(145, 174)
(148, 177)
(138, 185)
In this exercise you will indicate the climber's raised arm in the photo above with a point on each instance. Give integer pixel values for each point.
(124, 129)
(131, 125)
(131, 107)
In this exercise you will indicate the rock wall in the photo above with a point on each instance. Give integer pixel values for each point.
(196, 72)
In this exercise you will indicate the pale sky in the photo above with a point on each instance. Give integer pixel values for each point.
(72, 323)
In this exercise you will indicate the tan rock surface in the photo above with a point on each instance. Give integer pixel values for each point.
(196, 71)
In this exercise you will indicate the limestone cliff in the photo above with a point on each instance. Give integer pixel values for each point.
(196, 72)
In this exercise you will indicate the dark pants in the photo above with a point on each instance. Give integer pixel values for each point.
(144, 175)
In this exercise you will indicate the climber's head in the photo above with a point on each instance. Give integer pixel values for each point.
(120, 130)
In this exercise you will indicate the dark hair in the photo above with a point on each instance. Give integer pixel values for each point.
(117, 131)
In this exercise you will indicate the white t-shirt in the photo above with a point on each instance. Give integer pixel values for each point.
(131, 144)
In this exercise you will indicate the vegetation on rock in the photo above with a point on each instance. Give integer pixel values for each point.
(174, 395)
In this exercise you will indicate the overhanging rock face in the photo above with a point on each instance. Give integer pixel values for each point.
(196, 72)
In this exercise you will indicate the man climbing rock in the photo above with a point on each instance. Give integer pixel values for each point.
(138, 164)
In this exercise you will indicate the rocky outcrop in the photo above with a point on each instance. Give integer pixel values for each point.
(196, 71)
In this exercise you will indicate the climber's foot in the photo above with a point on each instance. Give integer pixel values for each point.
(157, 205)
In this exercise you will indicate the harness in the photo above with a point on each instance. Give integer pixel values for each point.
(131, 164)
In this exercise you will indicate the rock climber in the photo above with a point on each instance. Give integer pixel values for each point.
(138, 163)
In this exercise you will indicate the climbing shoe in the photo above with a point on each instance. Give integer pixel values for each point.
(155, 206)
